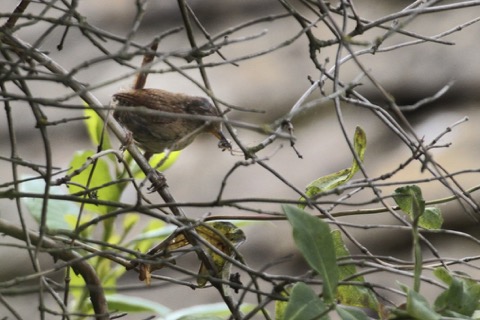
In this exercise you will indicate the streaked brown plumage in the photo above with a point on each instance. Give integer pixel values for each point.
(154, 133)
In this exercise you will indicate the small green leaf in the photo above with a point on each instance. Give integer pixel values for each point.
(431, 219)
(314, 240)
(58, 212)
(351, 313)
(410, 200)
(360, 145)
(333, 180)
(351, 295)
(328, 182)
(305, 304)
(100, 178)
(124, 303)
(443, 275)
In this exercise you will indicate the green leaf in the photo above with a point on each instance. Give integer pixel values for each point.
(95, 128)
(443, 275)
(280, 305)
(156, 231)
(155, 161)
(235, 237)
(431, 219)
(360, 146)
(305, 304)
(129, 221)
(462, 296)
(418, 307)
(351, 295)
(100, 178)
(410, 200)
(328, 182)
(124, 303)
(351, 313)
(58, 211)
(314, 240)
(338, 178)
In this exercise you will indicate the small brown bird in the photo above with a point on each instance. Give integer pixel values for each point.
(155, 133)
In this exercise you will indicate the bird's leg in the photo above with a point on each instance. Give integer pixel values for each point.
(224, 143)
(157, 179)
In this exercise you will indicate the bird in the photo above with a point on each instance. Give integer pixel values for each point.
(154, 133)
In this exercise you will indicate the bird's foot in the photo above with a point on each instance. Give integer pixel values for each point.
(158, 181)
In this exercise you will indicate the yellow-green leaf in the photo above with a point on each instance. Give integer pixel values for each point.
(100, 178)
(233, 234)
(222, 235)
(158, 162)
(280, 305)
(96, 129)
(333, 180)
(129, 221)
(359, 145)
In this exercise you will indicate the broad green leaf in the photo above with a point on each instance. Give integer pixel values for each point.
(338, 178)
(418, 307)
(124, 303)
(350, 313)
(305, 304)
(100, 177)
(410, 200)
(314, 240)
(95, 128)
(59, 212)
(357, 296)
(462, 296)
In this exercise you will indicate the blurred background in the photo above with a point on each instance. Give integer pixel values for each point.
(270, 83)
